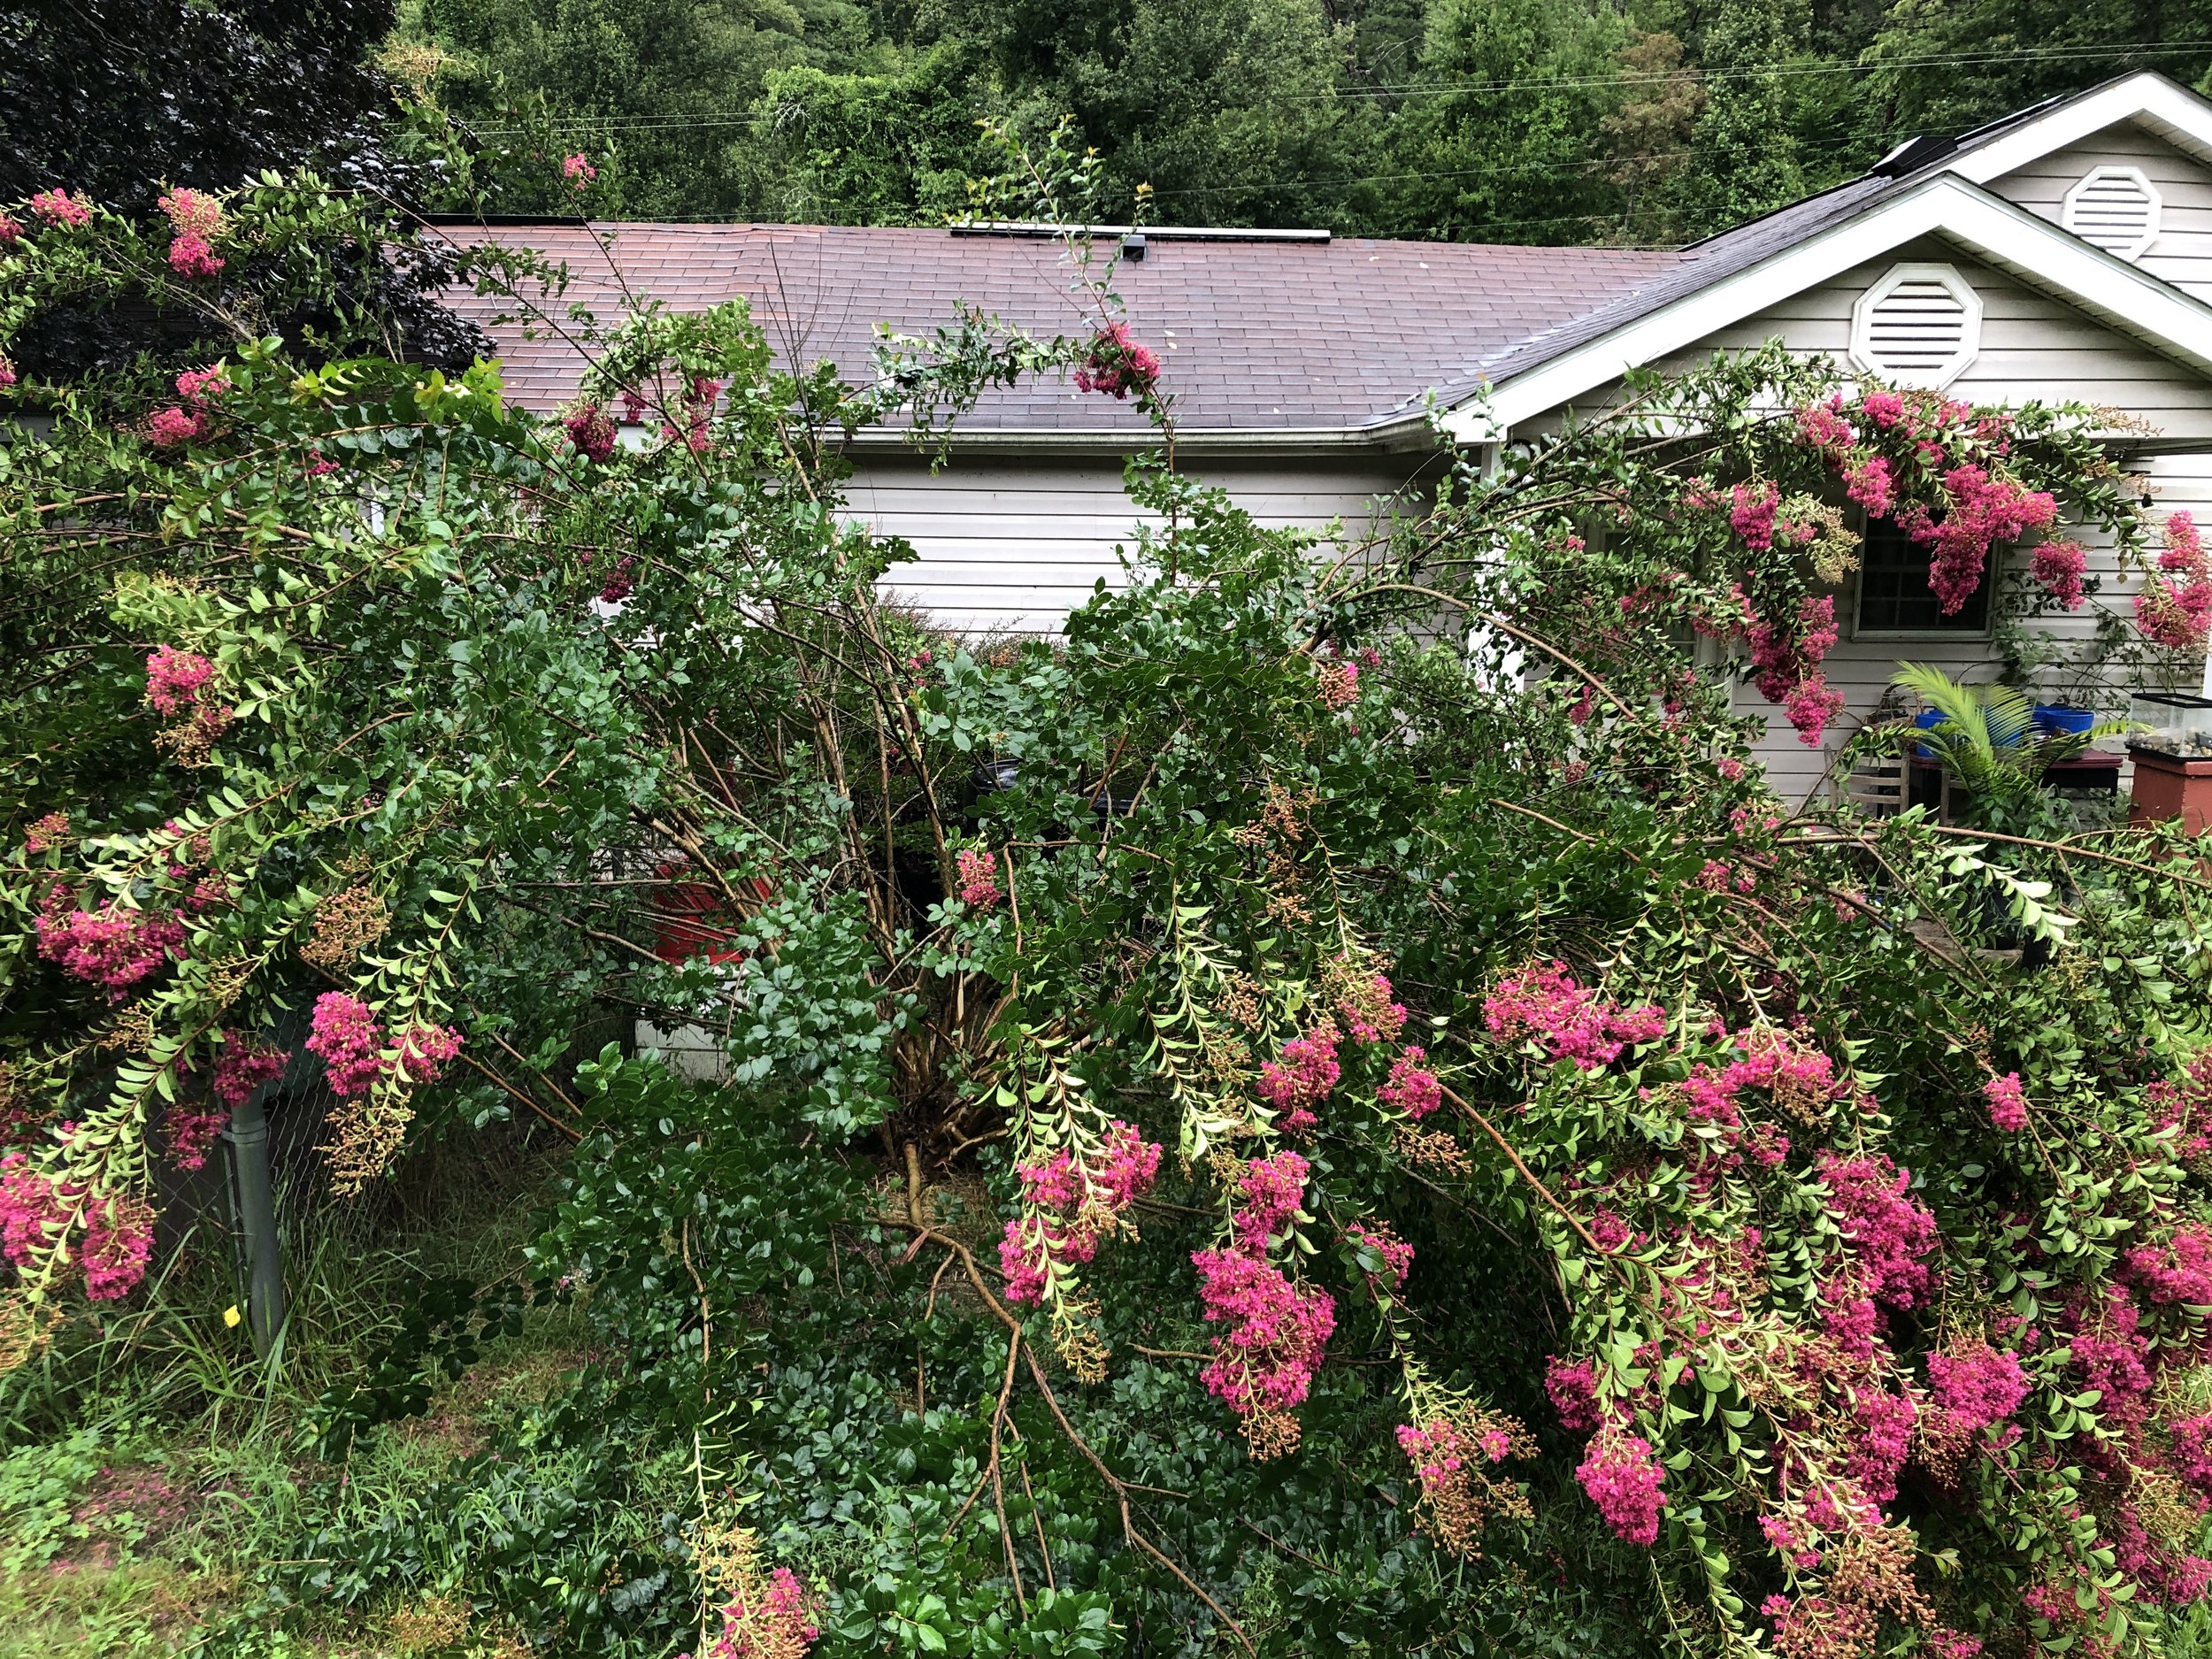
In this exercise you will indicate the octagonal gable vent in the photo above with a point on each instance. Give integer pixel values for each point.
(1921, 325)
(2114, 208)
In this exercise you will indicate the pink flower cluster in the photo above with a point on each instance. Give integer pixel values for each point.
(1882, 1428)
(1870, 485)
(1364, 1001)
(578, 170)
(197, 219)
(2177, 1273)
(1073, 1204)
(30, 1212)
(2192, 1459)
(2059, 566)
(242, 1067)
(110, 945)
(192, 1131)
(1980, 511)
(11, 229)
(1977, 1386)
(345, 1036)
(769, 1620)
(58, 207)
(1307, 1070)
(50, 831)
(174, 679)
(1397, 1254)
(978, 878)
(1623, 1480)
(1264, 1361)
(1411, 1088)
(1337, 685)
(2186, 1108)
(591, 430)
(2175, 608)
(34, 1210)
(118, 1240)
(1822, 426)
(1573, 1388)
(2007, 1102)
(1116, 365)
(193, 420)
(1786, 665)
(423, 1051)
(1545, 1005)
(1891, 1236)
(1751, 514)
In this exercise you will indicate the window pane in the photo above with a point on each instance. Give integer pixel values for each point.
(1893, 592)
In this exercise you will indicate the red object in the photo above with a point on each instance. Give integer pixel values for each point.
(694, 918)
(2167, 787)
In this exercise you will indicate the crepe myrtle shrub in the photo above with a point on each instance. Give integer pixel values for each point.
(1357, 1001)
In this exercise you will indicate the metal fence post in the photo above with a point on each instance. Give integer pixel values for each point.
(253, 1212)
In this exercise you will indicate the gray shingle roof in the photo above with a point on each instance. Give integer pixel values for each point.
(1254, 337)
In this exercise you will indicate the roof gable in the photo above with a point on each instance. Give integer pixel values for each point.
(1736, 277)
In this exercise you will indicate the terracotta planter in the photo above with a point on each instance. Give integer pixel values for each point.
(2167, 787)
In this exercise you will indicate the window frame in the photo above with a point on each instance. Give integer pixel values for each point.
(1981, 632)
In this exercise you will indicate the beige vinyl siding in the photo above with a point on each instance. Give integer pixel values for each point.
(2181, 252)
(1014, 545)
(2033, 348)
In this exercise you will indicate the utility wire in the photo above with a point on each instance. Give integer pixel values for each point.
(1780, 71)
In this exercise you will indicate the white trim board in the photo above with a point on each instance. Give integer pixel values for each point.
(2127, 300)
(2149, 100)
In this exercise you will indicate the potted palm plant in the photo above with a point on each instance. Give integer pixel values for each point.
(1996, 754)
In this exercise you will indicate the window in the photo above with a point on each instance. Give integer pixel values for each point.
(1920, 325)
(1893, 592)
(2116, 209)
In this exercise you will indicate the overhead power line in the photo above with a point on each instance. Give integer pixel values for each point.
(1786, 70)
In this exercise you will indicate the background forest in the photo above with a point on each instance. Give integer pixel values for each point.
(1513, 121)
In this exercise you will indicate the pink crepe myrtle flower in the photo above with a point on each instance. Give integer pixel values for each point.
(192, 1132)
(7, 373)
(344, 1035)
(1397, 1254)
(50, 831)
(1072, 1204)
(1979, 511)
(2058, 566)
(978, 878)
(1117, 365)
(1544, 1004)
(1977, 1386)
(191, 255)
(1572, 1387)
(58, 207)
(1823, 427)
(621, 582)
(1338, 685)
(2007, 1102)
(1307, 1070)
(174, 679)
(10, 230)
(172, 427)
(578, 170)
(2192, 1459)
(1265, 1359)
(2178, 1272)
(1624, 1481)
(591, 430)
(1810, 707)
(110, 946)
(1883, 409)
(200, 386)
(241, 1067)
(423, 1051)
(1870, 486)
(767, 1619)
(118, 1240)
(1890, 1235)
(1751, 513)
(2175, 608)
(1410, 1087)
(31, 1210)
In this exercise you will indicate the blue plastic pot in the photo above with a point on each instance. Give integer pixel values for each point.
(1928, 720)
(2057, 717)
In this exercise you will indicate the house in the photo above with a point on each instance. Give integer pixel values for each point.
(2063, 253)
